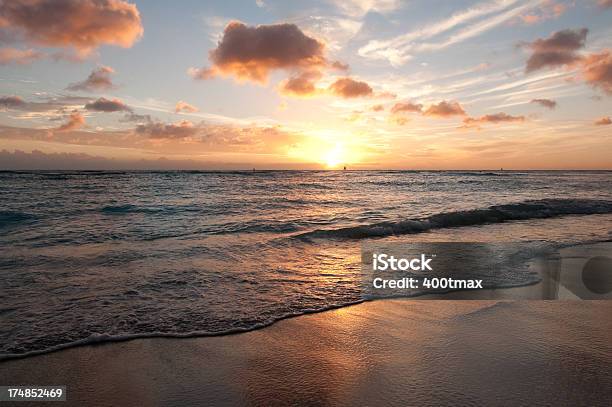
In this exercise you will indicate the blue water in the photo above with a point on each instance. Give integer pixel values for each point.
(96, 256)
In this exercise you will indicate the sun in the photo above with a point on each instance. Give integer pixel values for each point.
(334, 157)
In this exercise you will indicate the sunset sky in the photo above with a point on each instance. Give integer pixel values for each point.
(306, 84)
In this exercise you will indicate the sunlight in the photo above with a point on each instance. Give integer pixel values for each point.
(335, 156)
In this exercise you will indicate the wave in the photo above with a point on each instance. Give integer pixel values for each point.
(11, 218)
(531, 209)
(99, 338)
(129, 208)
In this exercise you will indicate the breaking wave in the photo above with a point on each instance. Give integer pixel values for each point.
(532, 209)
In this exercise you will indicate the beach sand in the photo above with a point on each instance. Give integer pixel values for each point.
(402, 352)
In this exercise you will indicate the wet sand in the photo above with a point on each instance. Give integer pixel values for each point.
(392, 352)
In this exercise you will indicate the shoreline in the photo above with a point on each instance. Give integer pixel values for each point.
(529, 291)
(434, 352)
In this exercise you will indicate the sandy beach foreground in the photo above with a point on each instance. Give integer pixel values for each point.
(390, 352)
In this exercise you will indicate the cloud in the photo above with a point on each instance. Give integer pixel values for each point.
(39, 160)
(75, 121)
(604, 121)
(98, 79)
(51, 108)
(358, 8)
(302, 84)
(251, 53)
(406, 107)
(492, 118)
(137, 118)
(157, 130)
(184, 138)
(597, 70)
(79, 24)
(184, 107)
(18, 56)
(107, 105)
(377, 108)
(548, 10)
(350, 88)
(9, 102)
(399, 120)
(445, 109)
(557, 50)
(460, 26)
(550, 104)
(604, 3)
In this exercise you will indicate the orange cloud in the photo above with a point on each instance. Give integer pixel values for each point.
(251, 53)
(106, 105)
(445, 109)
(303, 84)
(184, 107)
(350, 88)
(18, 56)
(156, 130)
(75, 121)
(550, 104)
(98, 79)
(604, 121)
(605, 3)
(557, 50)
(399, 120)
(406, 107)
(548, 10)
(81, 24)
(493, 118)
(597, 70)
(377, 108)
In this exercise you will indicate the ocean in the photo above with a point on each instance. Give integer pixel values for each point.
(89, 257)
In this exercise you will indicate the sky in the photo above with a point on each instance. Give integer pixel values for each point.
(277, 84)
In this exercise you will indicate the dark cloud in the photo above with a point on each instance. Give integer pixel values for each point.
(597, 70)
(16, 56)
(136, 118)
(350, 88)
(251, 53)
(79, 24)
(107, 105)
(492, 118)
(184, 107)
(98, 79)
(550, 104)
(557, 50)
(10, 102)
(445, 109)
(406, 107)
(75, 121)
(604, 121)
